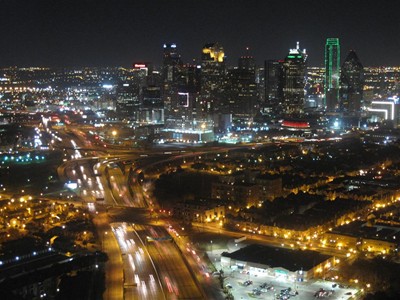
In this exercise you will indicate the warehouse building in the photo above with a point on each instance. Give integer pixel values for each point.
(285, 264)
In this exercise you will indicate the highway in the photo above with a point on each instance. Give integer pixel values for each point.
(135, 270)
(175, 276)
(141, 280)
(114, 265)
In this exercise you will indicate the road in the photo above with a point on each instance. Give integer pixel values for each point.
(174, 274)
(267, 240)
(114, 265)
(141, 280)
(158, 270)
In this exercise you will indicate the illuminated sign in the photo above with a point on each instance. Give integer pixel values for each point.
(71, 185)
(384, 110)
(140, 66)
(183, 99)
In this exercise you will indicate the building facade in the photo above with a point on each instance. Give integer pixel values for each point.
(332, 74)
(293, 77)
(351, 84)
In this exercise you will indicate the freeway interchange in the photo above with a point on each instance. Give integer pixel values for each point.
(144, 261)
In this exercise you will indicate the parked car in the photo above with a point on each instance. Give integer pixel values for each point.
(247, 282)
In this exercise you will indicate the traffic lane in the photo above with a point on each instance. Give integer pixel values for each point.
(211, 285)
(176, 278)
(174, 256)
(141, 280)
(118, 187)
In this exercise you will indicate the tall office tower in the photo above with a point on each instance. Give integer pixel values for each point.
(273, 81)
(183, 107)
(171, 62)
(351, 83)
(247, 62)
(260, 82)
(332, 74)
(242, 95)
(128, 102)
(293, 76)
(212, 78)
(315, 99)
(170, 73)
(152, 108)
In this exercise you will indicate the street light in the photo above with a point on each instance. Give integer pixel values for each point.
(211, 245)
(114, 134)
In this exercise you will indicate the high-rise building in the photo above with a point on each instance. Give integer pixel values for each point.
(293, 80)
(273, 81)
(128, 102)
(170, 73)
(184, 108)
(212, 78)
(247, 62)
(315, 97)
(171, 62)
(351, 83)
(332, 74)
(241, 92)
(152, 108)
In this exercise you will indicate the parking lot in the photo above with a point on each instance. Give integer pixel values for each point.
(244, 284)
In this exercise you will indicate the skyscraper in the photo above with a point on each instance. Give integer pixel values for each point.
(273, 81)
(170, 73)
(351, 83)
(246, 62)
(128, 103)
(332, 74)
(212, 77)
(294, 72)
(242, 94)
(184, 107)
(171, 62)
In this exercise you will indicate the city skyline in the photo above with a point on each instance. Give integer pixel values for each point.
(89, 33)
(179, 149)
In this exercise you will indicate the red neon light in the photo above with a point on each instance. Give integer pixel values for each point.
(295, 124)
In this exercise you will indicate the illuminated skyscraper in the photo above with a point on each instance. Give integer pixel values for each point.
(180, 89)
(332, 74)
(212, 77)
(294, 72)
(170, 73)
(351, 83)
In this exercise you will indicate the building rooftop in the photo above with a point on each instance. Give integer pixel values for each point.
(292, 260)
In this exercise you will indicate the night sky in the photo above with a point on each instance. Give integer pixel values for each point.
(118, 32)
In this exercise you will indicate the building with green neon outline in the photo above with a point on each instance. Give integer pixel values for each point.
(332, 74)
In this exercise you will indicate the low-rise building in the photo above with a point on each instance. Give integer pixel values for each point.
(288, 264)
(364, 236)
(199, 211)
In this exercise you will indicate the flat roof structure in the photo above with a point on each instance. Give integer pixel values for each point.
(289, 259)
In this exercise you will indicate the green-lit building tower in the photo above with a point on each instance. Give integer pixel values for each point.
(332, 74)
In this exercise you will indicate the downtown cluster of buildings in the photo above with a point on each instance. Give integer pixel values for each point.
(209, 100)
